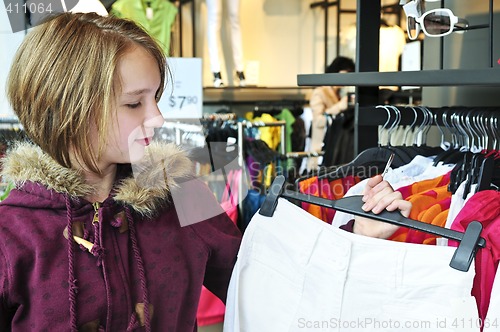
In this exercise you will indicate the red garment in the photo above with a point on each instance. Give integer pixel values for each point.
(311, 187)
(485, 208)
(323, 188)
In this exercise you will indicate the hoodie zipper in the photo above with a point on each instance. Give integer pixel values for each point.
(96, 206)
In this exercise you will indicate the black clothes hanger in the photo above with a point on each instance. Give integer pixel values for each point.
(366, 164)
(489, 175)
(470, 241)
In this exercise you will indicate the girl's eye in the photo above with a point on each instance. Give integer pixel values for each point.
(133, 105)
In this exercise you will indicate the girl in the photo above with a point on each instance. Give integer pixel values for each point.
(86, 243)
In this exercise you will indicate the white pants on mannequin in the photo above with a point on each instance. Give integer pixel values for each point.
(214, 8)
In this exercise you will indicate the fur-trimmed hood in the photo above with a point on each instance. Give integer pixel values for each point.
(145, 189)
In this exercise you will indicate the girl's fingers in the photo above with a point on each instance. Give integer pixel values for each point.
(374, 186)
(372, 182)
(403, 206)
(373, 199)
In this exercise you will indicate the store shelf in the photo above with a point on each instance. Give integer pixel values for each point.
(251, 95)
(452, 77)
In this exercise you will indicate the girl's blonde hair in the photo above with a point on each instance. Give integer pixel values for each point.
(61, 83)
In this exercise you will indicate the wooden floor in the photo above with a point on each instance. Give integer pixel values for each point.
(211, 328)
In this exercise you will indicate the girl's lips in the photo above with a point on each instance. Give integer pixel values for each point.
(145, 141)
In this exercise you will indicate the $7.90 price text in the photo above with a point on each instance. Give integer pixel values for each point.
(182, 101)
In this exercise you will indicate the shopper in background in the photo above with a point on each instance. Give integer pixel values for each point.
(90, 239)
(327, 100)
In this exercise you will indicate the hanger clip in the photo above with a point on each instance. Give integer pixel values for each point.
(467, 248)
(267, 208)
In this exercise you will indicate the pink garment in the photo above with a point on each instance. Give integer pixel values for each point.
(211, 309)
(485, 208)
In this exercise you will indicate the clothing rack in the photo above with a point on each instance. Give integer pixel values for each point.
(470, 241)
(183, 126)
(369, 117)
(241, 159)
(250, 124)
(377, 115)
(220, 116)
(304, 154)
(9, 120)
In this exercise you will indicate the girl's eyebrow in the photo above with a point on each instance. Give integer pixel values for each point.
(137, 92)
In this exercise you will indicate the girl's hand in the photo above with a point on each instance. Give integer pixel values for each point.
(377, 196)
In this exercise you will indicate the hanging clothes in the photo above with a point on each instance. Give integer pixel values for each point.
(156, 16)
(419, 169)
(484, 207)
(326, 189)
(429, 198)
(296, 273)
(287, 116)
(339, 140)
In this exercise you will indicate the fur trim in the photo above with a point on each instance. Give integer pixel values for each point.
(145, 191)
(27, 162)
(160, 170)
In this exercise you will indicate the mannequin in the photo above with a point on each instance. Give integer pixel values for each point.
(214, 9)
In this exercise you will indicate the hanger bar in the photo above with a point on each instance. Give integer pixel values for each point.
(9, 120)
(300, 154)
(469, 241)
(352, 204)
(250, 124)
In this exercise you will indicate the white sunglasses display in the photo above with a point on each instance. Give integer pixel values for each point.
(434, 23)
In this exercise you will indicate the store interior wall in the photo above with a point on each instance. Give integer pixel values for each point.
(285, 38)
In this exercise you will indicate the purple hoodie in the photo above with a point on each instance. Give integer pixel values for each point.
(143, 268)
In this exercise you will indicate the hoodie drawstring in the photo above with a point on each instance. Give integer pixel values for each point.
(97, 250)
(142, 273)
(72, 282)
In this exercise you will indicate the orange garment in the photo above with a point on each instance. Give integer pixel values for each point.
(310, 186)
(435, 215)
(429, 199)
(329, 190)
(425, 185)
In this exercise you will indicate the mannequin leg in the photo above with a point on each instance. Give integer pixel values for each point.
(214, 11)
(233, 7)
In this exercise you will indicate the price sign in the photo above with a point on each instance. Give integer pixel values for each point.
(183, 97)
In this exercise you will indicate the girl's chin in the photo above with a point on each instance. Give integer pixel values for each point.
(136, 155)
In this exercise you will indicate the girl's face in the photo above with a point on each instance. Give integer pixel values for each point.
(137, 113)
